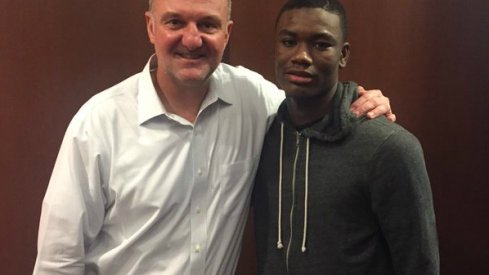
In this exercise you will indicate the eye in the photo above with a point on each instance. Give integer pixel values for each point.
(288, 42)
(208, 26)
(174, 23)
(322, 45)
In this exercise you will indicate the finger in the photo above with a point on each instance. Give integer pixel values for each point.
(361, 90)
(392, 117)
(362, 98)
(380, 110)
(371, 103)
(365, 107)
(356, 106)
(381, 103)
(371, 93)
(365, 96)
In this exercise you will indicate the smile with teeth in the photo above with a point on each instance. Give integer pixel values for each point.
(191, 55)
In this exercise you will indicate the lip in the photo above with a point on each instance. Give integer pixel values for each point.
(299, 77)
(190, 56)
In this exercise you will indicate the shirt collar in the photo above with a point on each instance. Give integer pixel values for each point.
(150, 105)
(221, 85)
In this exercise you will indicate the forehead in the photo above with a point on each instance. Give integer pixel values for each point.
(217, 8)
(309, 20)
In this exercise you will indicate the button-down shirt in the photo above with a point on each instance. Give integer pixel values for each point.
(138, 190)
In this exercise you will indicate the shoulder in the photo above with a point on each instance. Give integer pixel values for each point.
(383, 129)
(393, 143)
(382, 137)
(101, 108)
(244, 78)
(238, 72)
(248, 87)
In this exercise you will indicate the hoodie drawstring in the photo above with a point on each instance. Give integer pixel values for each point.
(279, 242)
(306, 192)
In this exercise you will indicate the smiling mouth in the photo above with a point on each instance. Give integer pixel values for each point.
(191, 56)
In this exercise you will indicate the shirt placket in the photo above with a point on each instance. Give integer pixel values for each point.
(198, 203)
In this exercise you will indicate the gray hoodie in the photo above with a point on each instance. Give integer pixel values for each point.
(343, 196)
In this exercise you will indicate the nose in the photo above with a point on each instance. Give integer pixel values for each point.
(192, 38)
(302, 57)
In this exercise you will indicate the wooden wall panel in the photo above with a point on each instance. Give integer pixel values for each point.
(54, 55)
(430, 57)
(251, 43)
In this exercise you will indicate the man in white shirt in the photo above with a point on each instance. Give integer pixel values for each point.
(154, 174)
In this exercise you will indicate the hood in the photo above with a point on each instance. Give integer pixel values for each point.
(337, 123)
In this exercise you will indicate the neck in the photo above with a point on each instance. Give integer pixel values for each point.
(181, 100)
(306, 110)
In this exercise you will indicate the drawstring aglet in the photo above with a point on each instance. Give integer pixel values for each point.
(280, 245)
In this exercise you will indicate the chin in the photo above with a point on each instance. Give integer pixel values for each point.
(193, 75)
(296, 91)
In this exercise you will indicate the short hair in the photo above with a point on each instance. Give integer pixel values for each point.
(150, 5)
(333, 6)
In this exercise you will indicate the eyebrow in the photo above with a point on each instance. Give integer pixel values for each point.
(168, 15)
(286, 32)
(212, 18)
(323, 35)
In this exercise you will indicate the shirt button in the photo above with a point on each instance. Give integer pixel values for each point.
(199, 172)
(197, 248)
(197, 210)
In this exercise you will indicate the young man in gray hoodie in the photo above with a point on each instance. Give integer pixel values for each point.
(335, 194)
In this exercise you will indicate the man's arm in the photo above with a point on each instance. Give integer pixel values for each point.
(72, 211)
(372, 103)
(403, 204)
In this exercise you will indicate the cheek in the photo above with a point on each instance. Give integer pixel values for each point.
(217, 44)
(282, 53)
(278, 70)
(166, 38)
(327, 61)
(280, 60)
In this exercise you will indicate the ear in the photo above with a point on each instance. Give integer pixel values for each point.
(229, 28)
(150, 26)
(345, 54)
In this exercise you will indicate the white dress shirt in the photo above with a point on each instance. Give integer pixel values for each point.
(137, 190)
